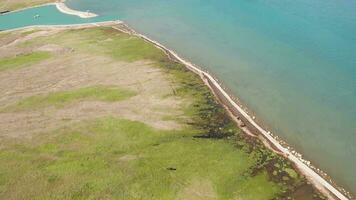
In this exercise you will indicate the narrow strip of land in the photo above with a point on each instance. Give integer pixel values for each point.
(64, 9)
(61, 6)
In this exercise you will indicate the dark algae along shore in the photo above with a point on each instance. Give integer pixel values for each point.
(128, 122)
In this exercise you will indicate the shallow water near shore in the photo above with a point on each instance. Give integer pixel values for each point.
(46, 15)
(291, 62)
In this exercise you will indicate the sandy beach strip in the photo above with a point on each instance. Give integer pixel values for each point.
(64, 9)
(68, 26)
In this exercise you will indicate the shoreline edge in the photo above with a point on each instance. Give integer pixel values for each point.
(239, 114)
(236, 111)
(61, 7)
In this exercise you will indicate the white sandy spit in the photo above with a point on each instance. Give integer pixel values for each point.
(64, 9)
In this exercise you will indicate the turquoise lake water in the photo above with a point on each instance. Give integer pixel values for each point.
(293, 63)
(49, 15)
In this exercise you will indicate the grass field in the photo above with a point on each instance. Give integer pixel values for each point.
(19, 4)
(23, 60)
(120, 159)
(113, 157)
(60, 99)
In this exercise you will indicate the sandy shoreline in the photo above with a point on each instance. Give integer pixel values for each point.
(305, 168)
(61, 6)
(69, 26)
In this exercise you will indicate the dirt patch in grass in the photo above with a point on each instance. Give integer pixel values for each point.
(127, 158)
(153, 104)
(24, 124)
(198, 190)
(9, 41)
(55, 49)
(61, 99)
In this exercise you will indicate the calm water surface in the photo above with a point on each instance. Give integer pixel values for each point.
(48, 15)
(293, 63)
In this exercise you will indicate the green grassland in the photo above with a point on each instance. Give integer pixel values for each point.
(105, 41)
(23, 60)
(113, 158)
(60, 99)
(121, 159)
(20, 4)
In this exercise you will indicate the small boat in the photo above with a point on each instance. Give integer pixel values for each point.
(36, 16)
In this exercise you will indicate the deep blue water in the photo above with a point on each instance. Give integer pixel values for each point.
(292, 62)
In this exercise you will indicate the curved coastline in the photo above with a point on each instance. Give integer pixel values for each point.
(62, 7)
(316, 177)
(305, 167)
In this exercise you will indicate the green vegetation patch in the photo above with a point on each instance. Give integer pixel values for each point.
(23, 60)
(106, 41)
(112, 158)
(60, 99)
(291, 172)
(20, 4)
(28, 32)
(119, 159)
(256, 188)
